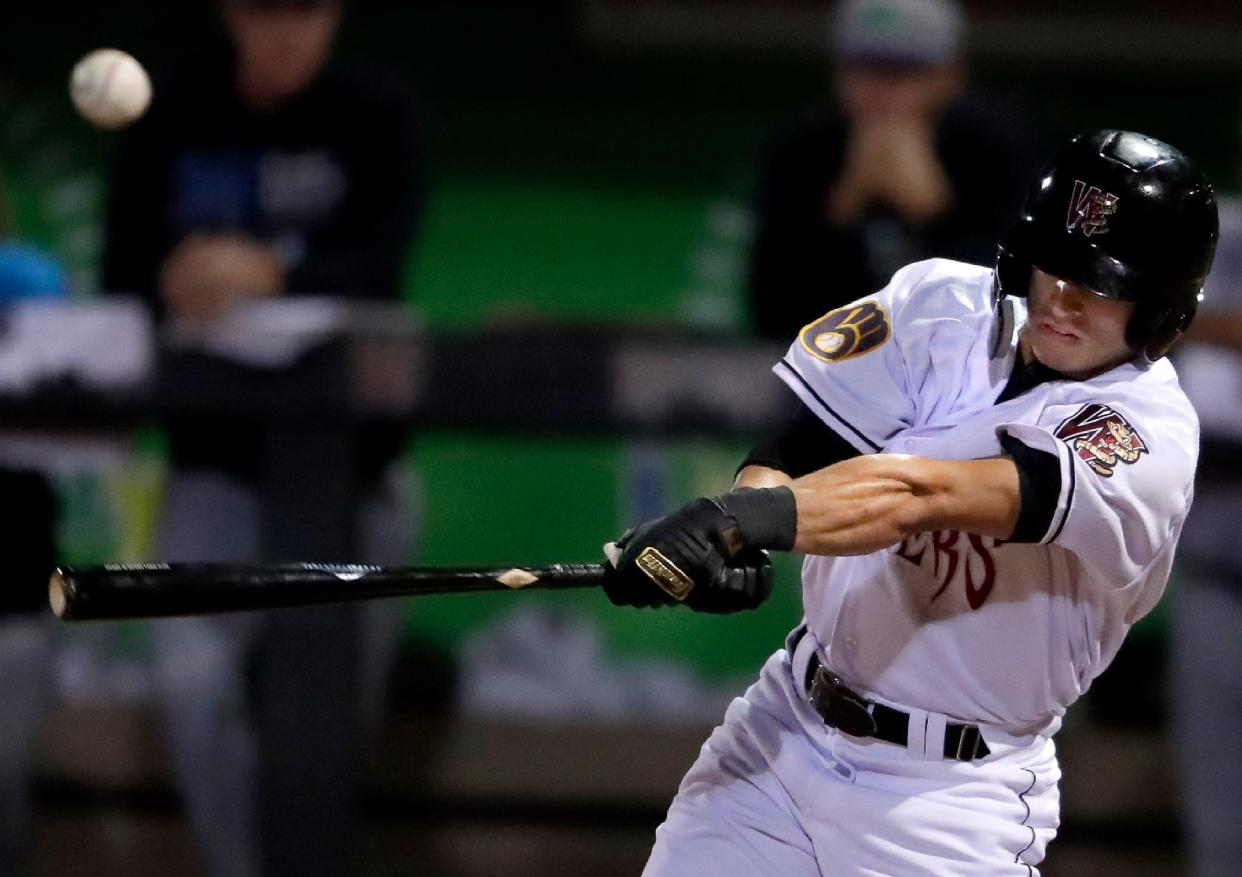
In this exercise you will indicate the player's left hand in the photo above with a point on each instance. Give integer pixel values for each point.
(694, 556)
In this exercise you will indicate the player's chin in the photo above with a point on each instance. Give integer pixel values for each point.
(1066, 354)
(1079, 360)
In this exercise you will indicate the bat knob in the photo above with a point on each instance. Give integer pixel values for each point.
(56, 594)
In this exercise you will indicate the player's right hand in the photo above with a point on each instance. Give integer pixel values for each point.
(680, 558)
(206, 273)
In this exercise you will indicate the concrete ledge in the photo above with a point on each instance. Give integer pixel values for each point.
(1110, 775)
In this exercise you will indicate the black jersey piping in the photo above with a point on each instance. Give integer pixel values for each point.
(1069, 499)
(828, 407)
(1022, 797)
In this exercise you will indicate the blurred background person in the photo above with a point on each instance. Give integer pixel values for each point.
(902, 166)
(26, 675)
(264, 170)
(28, 530)
(1205, 645)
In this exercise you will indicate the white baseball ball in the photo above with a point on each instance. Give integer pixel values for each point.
(109, 88)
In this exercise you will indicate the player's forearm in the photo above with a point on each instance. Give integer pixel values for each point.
(761, 476)
(869, 503)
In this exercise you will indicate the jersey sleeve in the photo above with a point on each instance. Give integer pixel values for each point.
(1126, 481)
(849, 368)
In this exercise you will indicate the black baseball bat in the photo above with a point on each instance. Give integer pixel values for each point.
(149, 590)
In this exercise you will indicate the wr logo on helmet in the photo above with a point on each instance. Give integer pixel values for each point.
(1090, 209)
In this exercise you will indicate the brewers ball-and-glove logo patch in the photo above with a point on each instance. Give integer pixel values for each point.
(845, 332)
(1102, 438)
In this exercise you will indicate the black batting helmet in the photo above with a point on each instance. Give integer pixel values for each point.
(1126, 216)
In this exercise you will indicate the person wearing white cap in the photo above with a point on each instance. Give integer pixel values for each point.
(904, 165)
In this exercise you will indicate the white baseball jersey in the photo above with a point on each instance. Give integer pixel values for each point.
(998, 633)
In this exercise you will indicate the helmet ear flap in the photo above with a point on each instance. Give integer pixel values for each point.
(1156, 332)
(1013, 275)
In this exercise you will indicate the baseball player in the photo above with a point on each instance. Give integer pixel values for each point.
(988, 472)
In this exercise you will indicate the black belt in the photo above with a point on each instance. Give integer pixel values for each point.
(848, 711)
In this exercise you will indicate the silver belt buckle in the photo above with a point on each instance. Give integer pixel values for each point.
(965, 753)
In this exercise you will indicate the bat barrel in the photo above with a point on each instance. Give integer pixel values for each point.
(155, 590)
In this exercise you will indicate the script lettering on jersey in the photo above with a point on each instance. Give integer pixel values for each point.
(950, 556)
(845, 332)
(1090, 209)
(1102, 438)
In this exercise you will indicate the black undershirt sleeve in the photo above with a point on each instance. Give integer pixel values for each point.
(1039, 485)
(802, 444)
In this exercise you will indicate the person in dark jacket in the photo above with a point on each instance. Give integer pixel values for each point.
(905, 165)
(268, 170)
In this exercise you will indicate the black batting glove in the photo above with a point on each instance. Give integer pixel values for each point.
(664, 560)
(642, 577)
(706, 554)
(742, 583)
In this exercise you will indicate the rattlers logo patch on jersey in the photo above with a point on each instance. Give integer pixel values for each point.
(1102, 438)
(845, 332)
